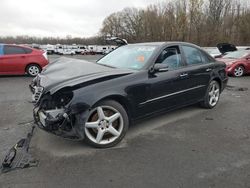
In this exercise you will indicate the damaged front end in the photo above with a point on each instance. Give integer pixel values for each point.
(56, 114)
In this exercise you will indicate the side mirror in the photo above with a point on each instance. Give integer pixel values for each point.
(158, 67)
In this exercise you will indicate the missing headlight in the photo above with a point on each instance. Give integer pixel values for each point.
(61, 99)
(57, 100)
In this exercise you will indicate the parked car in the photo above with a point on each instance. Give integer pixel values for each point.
(220, 50)
(19, 60)
(98, 101)
(238, 62)
(81, 49)
(88, 52)
(66, 52)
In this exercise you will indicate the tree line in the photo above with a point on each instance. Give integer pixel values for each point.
(51, 40)
(204, 22)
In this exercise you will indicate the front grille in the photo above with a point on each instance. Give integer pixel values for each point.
(37, 94)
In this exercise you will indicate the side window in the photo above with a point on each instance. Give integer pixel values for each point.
(170, 56)
(27, 50)
(193, 55)
(206, 58)
(13, 50)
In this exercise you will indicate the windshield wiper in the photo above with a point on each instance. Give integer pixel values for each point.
(106, 65)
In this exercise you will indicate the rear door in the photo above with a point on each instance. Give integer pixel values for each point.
(13, 60)
(199, 67)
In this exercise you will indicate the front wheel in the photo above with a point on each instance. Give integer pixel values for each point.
(106, 124)
(212, 95)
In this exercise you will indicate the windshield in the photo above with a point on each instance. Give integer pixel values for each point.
(129, 57)
(236, 54)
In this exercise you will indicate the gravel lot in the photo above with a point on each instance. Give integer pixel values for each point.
(190, 147)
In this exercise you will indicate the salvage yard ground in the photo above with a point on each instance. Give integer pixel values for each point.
(190, 147)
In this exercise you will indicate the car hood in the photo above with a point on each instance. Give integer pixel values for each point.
(67, 72)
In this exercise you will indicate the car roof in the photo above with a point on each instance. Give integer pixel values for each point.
(164, 43)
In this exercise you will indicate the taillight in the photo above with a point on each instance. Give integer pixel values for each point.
(45, 55)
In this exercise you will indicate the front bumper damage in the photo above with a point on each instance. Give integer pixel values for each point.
(66, 121)
(61, 122)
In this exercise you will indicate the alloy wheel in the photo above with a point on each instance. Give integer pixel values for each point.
(214, 94)
(104, 125)
(239, 71)
(33, 70)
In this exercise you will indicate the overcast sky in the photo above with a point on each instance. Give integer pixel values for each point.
(78, 18)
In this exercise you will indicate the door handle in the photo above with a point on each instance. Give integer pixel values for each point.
(208, 69)
(183, 75)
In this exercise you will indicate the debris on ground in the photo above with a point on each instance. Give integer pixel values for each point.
(235, 88)
(209, 118)
(26, 123)
(19, 156)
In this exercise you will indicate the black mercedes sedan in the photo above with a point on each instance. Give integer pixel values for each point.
(98, 101)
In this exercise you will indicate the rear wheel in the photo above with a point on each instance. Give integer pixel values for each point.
(239, 71)
(106, 124)
(212, 95)
(33, 70)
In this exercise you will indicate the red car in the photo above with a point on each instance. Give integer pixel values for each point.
(238, 62)
(19, 60)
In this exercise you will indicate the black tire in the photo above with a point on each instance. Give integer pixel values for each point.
(238, 71)
(125, 121)
(33, 70)
(207, 103)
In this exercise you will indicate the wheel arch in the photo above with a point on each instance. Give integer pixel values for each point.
(241, 64)
(121, 100)
(33, 63)
(217, 79)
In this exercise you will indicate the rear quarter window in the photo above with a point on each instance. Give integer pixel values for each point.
(27, 50)
(206, 58)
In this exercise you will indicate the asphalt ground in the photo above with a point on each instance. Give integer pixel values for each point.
(189, 147)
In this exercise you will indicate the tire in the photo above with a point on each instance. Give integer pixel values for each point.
(212, 95)
(33, 70)
(239, 71)
(110, 121)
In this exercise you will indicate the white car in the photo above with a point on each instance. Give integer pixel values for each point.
(66, 52)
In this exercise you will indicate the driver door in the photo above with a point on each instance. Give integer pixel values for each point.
(164, 87)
